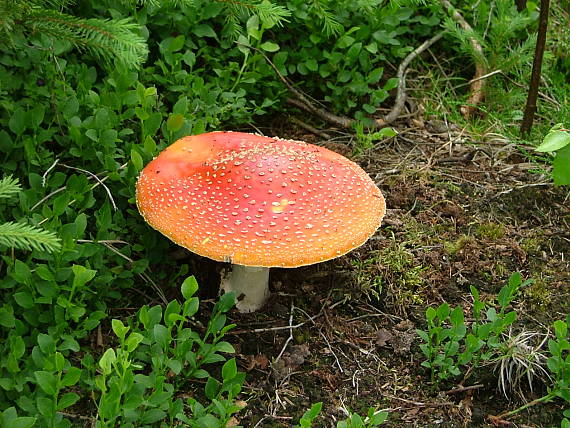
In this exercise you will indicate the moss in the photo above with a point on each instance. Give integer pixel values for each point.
(538, 295)
(393, 268)
(453, 247)
(491, 231)
(533, 244)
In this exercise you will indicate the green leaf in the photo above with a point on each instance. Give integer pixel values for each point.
(71, 107)
(71, 377)
(136, 159)
(24, 299)
(203, 30)
(189, 287)
(152, 416)
(224, 347)
(172, 313)
(554, 140)
(7, 318)
(46, 343)
(17, 122)
(385, 132)
(82, 275)
(560, 329)
(561, 167)
(44, 272)
(59, 361)
(200, 374)
(174, 122)
(67, 400)
(107, 360)
(47, 382)
(312, 64)
(423, 335)
(509, 318)
(133, 341)
(45, 406)
(310, 415)
(119, 329)
(92, 135)
(176, 43)
(175, 366)
(443, 311)
(9, 418)
(229, 370)
(270, 47)
(161, 335)
(211, 388)
(252, 26)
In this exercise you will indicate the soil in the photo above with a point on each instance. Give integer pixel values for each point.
(462, 211)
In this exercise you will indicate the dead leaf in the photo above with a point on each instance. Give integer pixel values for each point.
(290, 360)
(383, 336)
(259, 361)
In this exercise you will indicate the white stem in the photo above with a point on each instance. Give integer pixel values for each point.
(251, 285)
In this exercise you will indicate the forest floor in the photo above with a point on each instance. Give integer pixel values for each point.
(462, 211)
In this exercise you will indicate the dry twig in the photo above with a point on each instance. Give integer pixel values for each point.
(301, 101)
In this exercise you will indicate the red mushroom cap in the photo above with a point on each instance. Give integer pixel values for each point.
(259, 201)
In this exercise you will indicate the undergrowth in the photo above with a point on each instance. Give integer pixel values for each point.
(90, 91)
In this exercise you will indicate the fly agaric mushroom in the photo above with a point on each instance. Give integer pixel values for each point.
(258, 202)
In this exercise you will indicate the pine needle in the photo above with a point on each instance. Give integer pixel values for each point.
(9, 186)
(26, 237)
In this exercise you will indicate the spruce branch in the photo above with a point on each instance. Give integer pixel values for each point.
(107, 39)
(331, 25)
(9, 186)
(26, 237)
(269, 14)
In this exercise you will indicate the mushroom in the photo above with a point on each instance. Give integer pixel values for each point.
(258, 202)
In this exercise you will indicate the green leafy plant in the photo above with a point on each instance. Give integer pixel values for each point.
(558, 364)
(373, 418)
(450, 344)
(139, 379)
(557, 142)
(366, 140)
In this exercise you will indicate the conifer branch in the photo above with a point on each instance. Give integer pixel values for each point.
(107, 39)
(9, 186)
(26, 237)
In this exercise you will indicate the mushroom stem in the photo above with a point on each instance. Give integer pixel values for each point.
(251, 285)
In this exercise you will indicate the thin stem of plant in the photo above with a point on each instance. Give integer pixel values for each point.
(530, 108)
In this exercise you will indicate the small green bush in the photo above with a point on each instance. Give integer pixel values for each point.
(449, 344)
(136, 383)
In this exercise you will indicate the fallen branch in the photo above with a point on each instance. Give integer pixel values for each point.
(301, 101)
(310, 128)
(463, 389)
(478, 82)
(402, 71)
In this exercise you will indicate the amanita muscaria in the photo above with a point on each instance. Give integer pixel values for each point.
(258, 202)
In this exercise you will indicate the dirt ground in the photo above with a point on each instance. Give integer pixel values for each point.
(462, 211)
